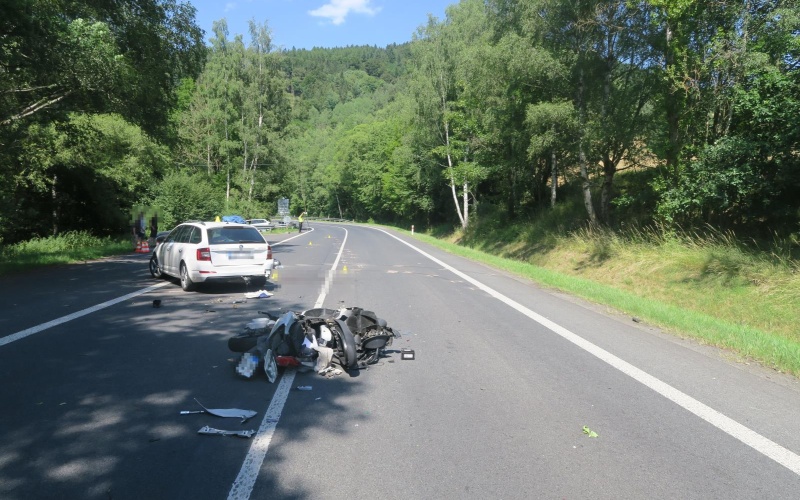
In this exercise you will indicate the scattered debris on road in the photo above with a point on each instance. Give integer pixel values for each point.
(210, 430)
(245, 415)
(589, 432)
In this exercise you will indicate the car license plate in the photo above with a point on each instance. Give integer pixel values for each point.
(238, 255)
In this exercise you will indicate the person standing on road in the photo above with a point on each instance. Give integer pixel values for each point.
(138, 229)
(300, 222)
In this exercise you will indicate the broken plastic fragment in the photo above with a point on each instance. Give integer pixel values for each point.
(220, 432)
(245, 415)
(589, 432)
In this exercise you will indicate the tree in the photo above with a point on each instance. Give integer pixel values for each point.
(62, 60)
(443, 52)
(238, 115)
(88, 57)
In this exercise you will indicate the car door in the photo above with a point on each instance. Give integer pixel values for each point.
(173, 249)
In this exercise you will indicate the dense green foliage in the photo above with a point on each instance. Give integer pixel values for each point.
(86, 92)
(672, 112)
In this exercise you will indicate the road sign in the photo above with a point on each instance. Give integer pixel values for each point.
(283, 206)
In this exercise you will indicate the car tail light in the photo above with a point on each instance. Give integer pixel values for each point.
(269, 252)
(204, 254)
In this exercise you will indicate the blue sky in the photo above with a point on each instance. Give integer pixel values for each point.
(322, 23)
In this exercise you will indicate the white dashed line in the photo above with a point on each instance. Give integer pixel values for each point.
(246, 479)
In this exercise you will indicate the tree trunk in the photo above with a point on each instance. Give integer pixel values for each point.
(606, 191)
(228, 188)
(586, 185)
(584, 164)
(54, 197)
(466, 205)
(452, 178)
(672, 108)
(554, 179)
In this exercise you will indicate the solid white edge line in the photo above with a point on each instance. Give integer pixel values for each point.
(44, 326)
(763, 445)
(243, 485)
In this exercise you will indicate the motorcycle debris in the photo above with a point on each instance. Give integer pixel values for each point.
(245, 415)
(220, 432)
(330, 372)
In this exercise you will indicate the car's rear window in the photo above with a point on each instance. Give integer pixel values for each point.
(237, 234)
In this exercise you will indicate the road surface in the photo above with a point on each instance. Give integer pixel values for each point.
(509, 386)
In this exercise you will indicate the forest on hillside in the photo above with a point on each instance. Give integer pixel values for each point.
(664, 112)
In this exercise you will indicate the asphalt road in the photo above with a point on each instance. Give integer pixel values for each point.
(506, 378)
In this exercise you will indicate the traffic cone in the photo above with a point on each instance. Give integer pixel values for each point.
(145, 247)
(138, 247)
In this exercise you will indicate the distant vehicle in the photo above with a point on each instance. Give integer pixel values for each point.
(261, 224)
(197, 252)
(160, 237)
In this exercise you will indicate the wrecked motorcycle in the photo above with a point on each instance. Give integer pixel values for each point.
(351, 337)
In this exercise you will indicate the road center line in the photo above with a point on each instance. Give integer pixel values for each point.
(58, 321)
(246, 479)
(766, 447)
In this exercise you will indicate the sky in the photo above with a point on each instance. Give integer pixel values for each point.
(322, 23)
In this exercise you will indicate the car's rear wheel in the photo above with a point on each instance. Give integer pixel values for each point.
(186, 281)
(155, 268)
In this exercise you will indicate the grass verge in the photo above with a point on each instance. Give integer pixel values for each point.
(67, 248)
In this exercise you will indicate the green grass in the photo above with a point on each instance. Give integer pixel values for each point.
(707, 287)
(66, 248)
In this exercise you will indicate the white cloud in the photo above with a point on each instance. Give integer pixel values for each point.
(337, 10)
(230, 6)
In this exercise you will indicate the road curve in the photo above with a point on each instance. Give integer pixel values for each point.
(509, 386)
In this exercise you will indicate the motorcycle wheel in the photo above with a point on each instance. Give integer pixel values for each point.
(347, 346)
